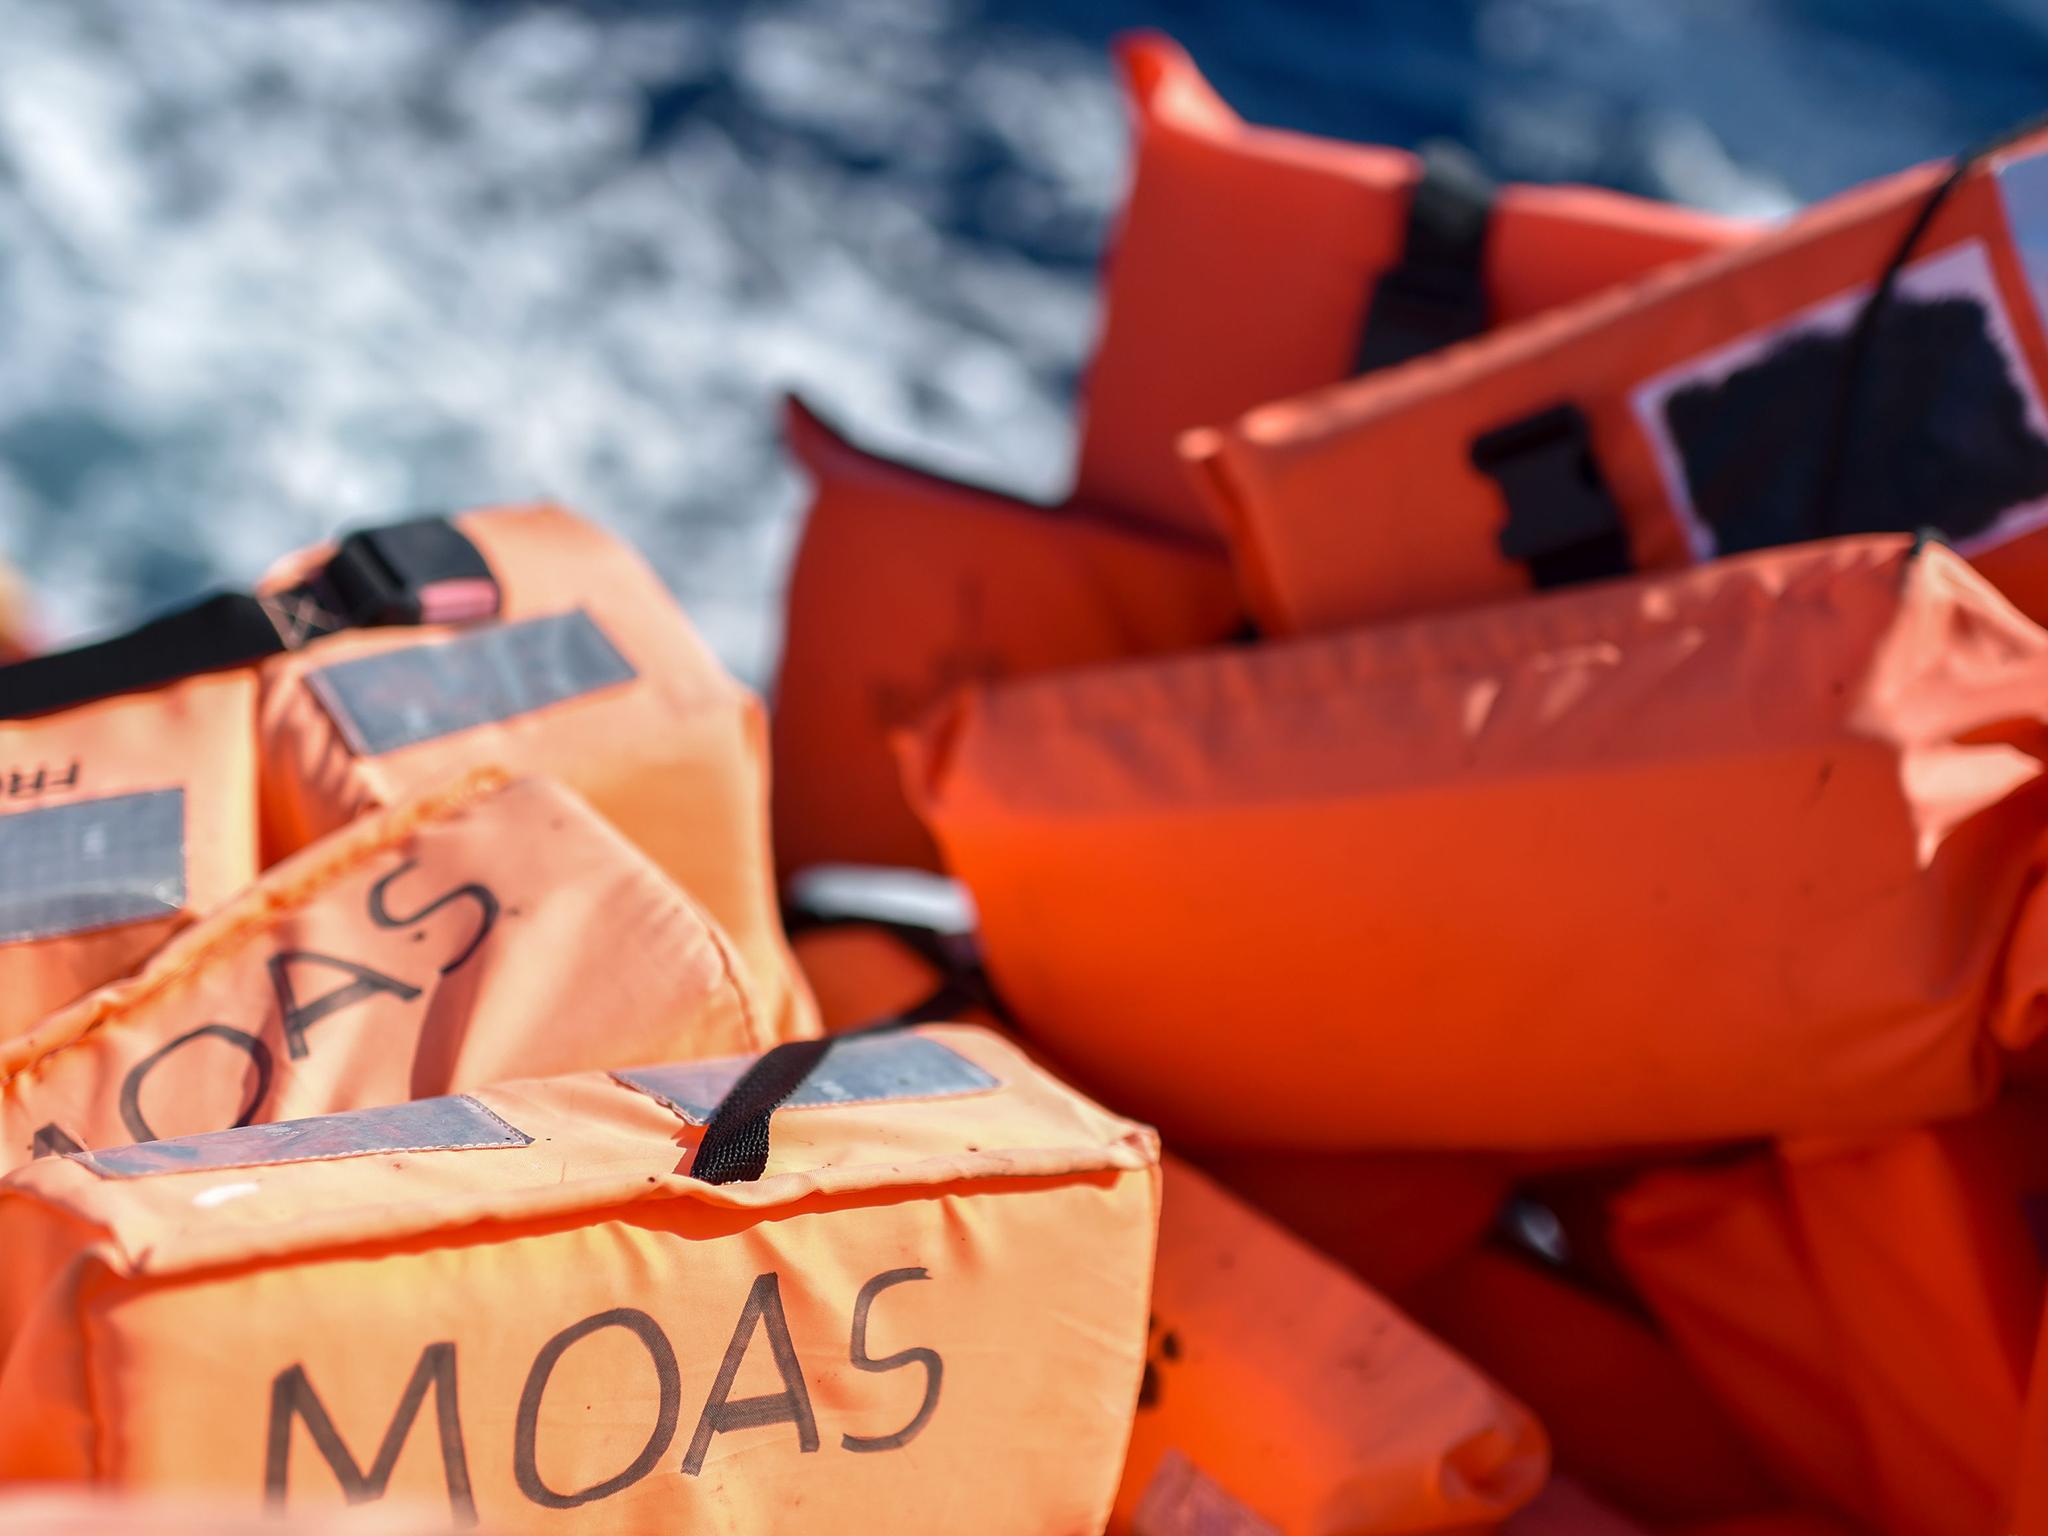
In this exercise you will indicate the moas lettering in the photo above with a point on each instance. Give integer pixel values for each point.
(296, 1404)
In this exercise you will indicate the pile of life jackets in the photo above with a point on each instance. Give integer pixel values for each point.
(1522, 757)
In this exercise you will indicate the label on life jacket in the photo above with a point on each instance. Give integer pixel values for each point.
(398, 698)
(121, 821)
(91, 864)
(877, 1070)
(424, 1125)
(1946, 313)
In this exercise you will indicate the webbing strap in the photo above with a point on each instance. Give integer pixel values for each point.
(1436, 293)
(735, 1144)
(1563, 522)
(418, 572)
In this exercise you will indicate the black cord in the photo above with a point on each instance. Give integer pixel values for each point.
(1829, 513)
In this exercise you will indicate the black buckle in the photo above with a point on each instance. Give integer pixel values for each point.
(418, 572)
(1437, 293)
(1563, 522)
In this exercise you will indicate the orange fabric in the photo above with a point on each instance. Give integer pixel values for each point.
(952, 1291)
(1244, 266)
(484, 932)
(1362, 501)
(1863, 1307)
(859, 973)
(194, 737)
(675, 757)
(1625, 1415)
(62, 1513)
(2030, 1490)
(1282, 1389)
(1716, 1254)
(1410, 887)
(905, 585)
(1392, 1218)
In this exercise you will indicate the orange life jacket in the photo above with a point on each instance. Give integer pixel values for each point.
(1420, 886)
(1864, 1308)
(906, 585)
(1751, 398)
(521, 1302)
(1625, 1415)
(120, 821)
(589, 674)
(1252, 264)
(1283, 1394)
(484, 932)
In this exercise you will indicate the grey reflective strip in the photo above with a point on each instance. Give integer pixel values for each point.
(91, 864)
(871, 1071)
(401, 698)
(426, 1125)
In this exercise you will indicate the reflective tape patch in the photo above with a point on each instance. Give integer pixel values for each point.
(401, 698)
(426, 1125)
(92, 864)
(871, 1071)
(1183, 1500)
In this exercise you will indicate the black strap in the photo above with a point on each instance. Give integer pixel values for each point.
(735, 1144)
(421, 571)
(1563, 522)
(1436, 293)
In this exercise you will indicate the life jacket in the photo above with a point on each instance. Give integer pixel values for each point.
(1865, 1309)
(1283, 1395)
(1251, 264)
(589, 674)
(1442, 884)
(1279, 1392)
(1625, 1416)
(906, 585)
(487, 931)
(535, 1299)
(1826, 378)
(120, 822)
